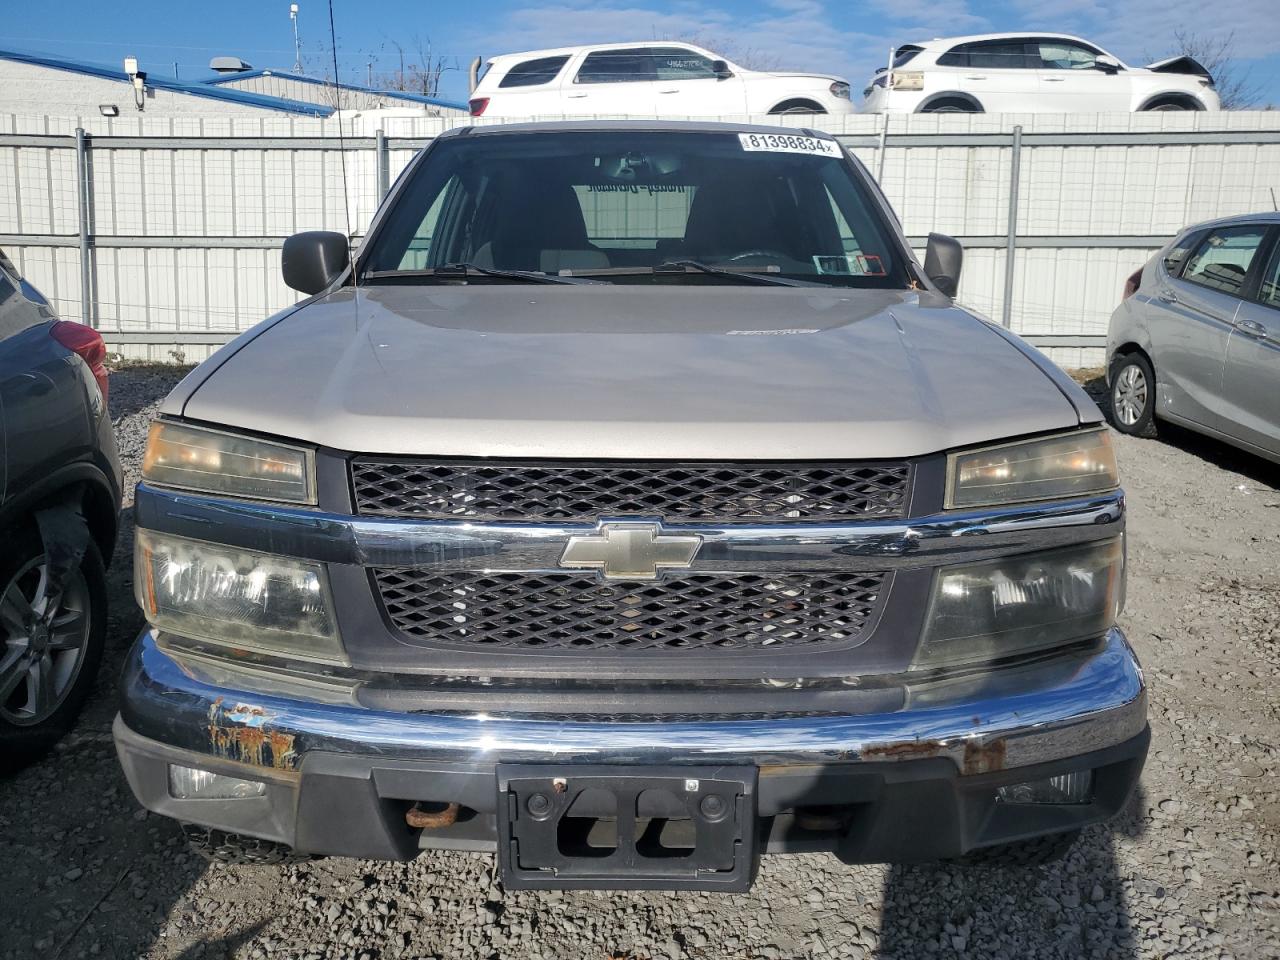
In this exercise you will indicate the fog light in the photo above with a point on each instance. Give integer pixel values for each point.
(188, 783)
(1074, 787)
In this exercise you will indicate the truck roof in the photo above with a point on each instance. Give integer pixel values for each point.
(670, 126)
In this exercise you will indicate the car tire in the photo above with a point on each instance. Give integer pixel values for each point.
(1036, 852)
(950, 105)
(222, 847)
(796, 106)
(1133, 395)
(29, 724)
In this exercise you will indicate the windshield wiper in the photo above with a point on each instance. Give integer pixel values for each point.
(466, 271)
(747, 272)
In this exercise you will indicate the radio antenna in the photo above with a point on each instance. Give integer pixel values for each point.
(342, 145)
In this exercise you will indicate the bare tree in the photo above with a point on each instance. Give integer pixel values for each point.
(418, 71)
(1236, 88)
(413, 70)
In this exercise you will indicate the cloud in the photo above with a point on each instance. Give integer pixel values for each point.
(1135, 28)
(932, 15)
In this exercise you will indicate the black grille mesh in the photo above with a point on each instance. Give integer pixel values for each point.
(580, 612)
(712, 493)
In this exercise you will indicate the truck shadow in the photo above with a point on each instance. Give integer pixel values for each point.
(1078, 903)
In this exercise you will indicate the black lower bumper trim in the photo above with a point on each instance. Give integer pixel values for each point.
(863, 812)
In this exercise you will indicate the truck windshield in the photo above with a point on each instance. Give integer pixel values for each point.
(636, 207)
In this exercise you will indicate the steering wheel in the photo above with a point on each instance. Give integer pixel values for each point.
(746, 254)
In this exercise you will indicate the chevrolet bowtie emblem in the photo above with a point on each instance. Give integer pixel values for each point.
(630, 551)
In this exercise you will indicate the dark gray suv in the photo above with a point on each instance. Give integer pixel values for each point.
(60, 485)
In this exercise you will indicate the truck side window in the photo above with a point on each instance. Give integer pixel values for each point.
(1222, 261)
(616, 66)
(1269, 289)
(673, 63)
(533, 73)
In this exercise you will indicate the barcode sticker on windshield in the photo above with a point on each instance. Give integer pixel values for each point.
(788, 143)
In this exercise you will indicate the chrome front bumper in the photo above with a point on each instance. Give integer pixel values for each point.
(1040, 712)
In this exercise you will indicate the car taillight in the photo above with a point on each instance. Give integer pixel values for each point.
(477, 105)
(86, 343)
(1132, 284)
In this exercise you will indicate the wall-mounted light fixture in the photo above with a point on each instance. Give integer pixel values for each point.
(139, 80)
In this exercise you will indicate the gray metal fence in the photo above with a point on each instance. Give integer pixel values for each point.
(166, 236)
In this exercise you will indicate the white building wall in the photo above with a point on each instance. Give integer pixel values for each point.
(30, 90)
(283, 85)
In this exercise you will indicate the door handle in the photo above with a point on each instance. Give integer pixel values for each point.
(668, 91)
(976, 78)
(1054, 79)
(1253, 329)
(1166, 296)
(576, 96)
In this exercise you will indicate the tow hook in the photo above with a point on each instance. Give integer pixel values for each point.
(421, 819)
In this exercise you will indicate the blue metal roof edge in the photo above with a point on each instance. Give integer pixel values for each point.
(289, 75)
(194, 89)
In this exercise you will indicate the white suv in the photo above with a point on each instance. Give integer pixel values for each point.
(646, 79)
(1041, 73)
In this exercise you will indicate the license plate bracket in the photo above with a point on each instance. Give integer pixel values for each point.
(604, 827)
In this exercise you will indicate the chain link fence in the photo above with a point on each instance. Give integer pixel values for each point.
(165, 234)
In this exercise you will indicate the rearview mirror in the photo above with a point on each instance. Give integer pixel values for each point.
(942, 261)
(721, 69)
(312, 260)
(1106, 64)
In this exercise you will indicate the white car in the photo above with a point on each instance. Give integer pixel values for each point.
(646, 79)
(1031, 73)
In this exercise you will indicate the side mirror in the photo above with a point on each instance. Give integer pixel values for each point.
(314, 259)
(1107, 64)
(942, 261)
(721, 69)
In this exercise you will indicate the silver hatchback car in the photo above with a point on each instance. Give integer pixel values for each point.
(1196, 339)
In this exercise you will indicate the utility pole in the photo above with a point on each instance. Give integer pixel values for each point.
(297, 47)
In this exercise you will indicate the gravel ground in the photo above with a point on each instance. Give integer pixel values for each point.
(1190, 870)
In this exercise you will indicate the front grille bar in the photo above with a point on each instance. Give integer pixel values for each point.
(531, 492)
(685, 614)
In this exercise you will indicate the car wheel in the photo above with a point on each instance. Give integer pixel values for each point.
(50, 646)
(223, 847)
(950, 105)
(1133, 396)
(796, 106)
(1173, 103)
(1035, 852)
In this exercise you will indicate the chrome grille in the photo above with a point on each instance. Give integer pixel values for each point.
(680, 493)
(696, 612)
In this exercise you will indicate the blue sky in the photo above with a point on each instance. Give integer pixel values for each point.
(848, 38)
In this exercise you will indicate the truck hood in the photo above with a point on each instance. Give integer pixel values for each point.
(1187, 65)
(633, 372)
(786, 75)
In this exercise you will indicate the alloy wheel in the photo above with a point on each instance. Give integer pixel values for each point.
(1129, 396)
(43, 639)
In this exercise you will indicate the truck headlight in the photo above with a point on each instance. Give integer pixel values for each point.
(1073, 464)
(988, 611)
(211, 461)
(250, 601)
